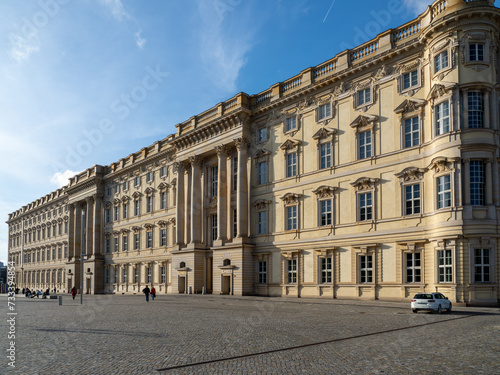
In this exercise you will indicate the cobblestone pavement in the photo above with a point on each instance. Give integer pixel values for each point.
(179, 334)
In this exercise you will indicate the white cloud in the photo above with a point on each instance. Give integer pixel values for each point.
(139, 40)
(417, 7)
(116, 8)
(22, 47)
(61, 179)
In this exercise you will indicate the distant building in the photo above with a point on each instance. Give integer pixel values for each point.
(374, 175)
(3, 273)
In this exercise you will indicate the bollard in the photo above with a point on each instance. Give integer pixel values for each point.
(190, 290)
(60, 300)
(203, 290)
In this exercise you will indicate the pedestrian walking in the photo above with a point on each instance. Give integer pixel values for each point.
(146, 292)
(73, 292)
(153, 292)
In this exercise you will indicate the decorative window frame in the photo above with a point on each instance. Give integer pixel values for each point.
(406, 110)
(361, 124)
(322, 136)
(411, 176)
(365, 185)
(291, 132)
(361, 86)
(258, 127)
(325, 193)
(325, 254)
(321, 102)
(442, 92)
(475, 37)
(289, 200)
(448, 45)
(442, 166)
(262, 205)
(445, 244)
(288, 147)
(408, 68)
(489, 243)
(285, 258)
(258, 258)
(411, 248)
(364, 250)
(261, 155)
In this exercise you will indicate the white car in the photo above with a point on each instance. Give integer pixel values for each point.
(430, 301)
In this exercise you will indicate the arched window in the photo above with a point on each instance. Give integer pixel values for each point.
(227, 262)
(182, 265)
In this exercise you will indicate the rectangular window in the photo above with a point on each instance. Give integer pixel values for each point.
(108, 191)
(124, 275)
(262, 172)
(291, 124)
(125, 186)
(445, 266)
(235, 173)
(235, 222)
(477, 188)
(108, 247)
(324, 111)
(60, 228)
(125, 242)
(136, 275)
(410, 79)
(48, 234)
(149, 176)
(325, 212)
(149, 204)
(116, 244)
(163, 237)
(262, 272)
(163, 203)
(137, 208)
(214, 180)
(475, 108)
(413, 268)
(106, 276)
(163, 171)
(137, 181)
(262, 224)
(366, 269)
(163, 275)
(442, 118)
(117, 213)
(291, 215)
(476, 52)
(149, 239)
(326, 270)
(261, 134)
(412, 133)
(365, 206)
(291, 164)
(214, 227)
(108, 216)
(444, 191)
(365, 144)
(482, 265)
(325, 155)
(148, 275)
(292, 271)
(441, 61)
(364, 96)
(125, 210)
(137, 239)
(412, 199)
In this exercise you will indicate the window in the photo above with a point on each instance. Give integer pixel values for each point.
(124, 275)
(291, 164)
(325, 155)
(412, 199)
(410, 79)
(291, 215)
(117, 189)
(108, 216)
(444, 191)
(442, 118)
(108, 191)
(365, 144)
(364, 96)
(149, 204)
(477, 187)
(125, 186)
(214, 180)
(59, 229)
(117, 213)
(292, 271)
(125, 210)
(106, 276)
(235, 222)
(326, 270)
(413, 267)
(116, 244)
(148, 275)
(163, 237)
(163, 276)
(163, 202)
(262, 222)
(163, 171)
(324, 111)
(262, 173)
(137, 239)
(262, 272)
(366, 269)
(136, 275)
(445, 267)
(441, 61)
(48, 233)
(325, 212)
(365, 206)
(137, 208)
(214, 227)
(108, 247)
(137, 181)
(125, 242)
(476, 52)
(482, 265)
(262, 134)
(235, 173)
(412, 133)
(149, 177)
(291, 124)
(149, 239)
(475, 105)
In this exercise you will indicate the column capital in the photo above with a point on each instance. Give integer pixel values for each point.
(220, 150)
(241, 143)
(195, 161)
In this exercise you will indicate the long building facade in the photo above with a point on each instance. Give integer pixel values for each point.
(374, 175)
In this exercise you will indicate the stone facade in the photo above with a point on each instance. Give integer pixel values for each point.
(374, 175)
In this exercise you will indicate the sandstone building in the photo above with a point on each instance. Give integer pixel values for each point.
(374, 175)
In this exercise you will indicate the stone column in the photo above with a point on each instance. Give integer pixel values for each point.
(196, 200)
(96, 226)
(180, 205)
(77, 230)
(88, 237)
(222, 189)
(187, 206)
(242, 190)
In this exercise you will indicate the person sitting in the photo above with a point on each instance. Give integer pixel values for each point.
(38, 294)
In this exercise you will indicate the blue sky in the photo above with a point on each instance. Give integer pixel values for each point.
(91, 81)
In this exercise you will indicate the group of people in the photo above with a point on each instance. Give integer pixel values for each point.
(148, 291)
(28, 293)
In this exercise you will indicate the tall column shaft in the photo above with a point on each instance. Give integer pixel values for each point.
(242, 190)
(196, 202)
(221, 194)
(180, 205)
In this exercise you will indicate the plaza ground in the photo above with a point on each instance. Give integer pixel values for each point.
(195, 334)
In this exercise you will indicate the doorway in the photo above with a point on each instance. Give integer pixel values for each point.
(182, 284)
(226, 284)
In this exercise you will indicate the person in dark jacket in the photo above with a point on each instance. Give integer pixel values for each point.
(146, 292)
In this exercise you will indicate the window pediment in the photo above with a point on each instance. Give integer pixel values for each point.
(324, 133)
(291, 198)
(440, 89)
(163, 186)
(325, 191)
(162, 223)
(125, 198)
(411, 174)
(149, 191)
(364, 120)
(290, 144)
(261, 153)
(261, 204)
(116, 201)
(442, 164)
(136, 195)
(148, 226)
(136, 229)
(124, 231)
(410, 105)
(365, 183)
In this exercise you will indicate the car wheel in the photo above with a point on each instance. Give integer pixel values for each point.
(449, 308)
(414, 311)
(439, 310)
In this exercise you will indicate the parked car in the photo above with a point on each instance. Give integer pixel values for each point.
(431, 302)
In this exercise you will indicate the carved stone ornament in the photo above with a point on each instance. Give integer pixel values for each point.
(241, 143)
(382, 72)
(125, 231)
(364, 120)
(162, 223)
(411, 174)
(440, 46)
(163, 186)
(125, 198)
(440, 89)
(107, 234)
(340, 89)
(410, 105)
(220, 150)
(116, 233)
(108, 204)
(290, 144)
(261, 204)
(148, 226)
(261, 153)
(325, 191)
(324, 133)
(116, 201)
(365, 183)
(291, 198)
(136, 229)
(149, 191)
(196, 160)
(173, 183)
(172, 220)
(136, 195)
(441, 164)
(212, 203)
